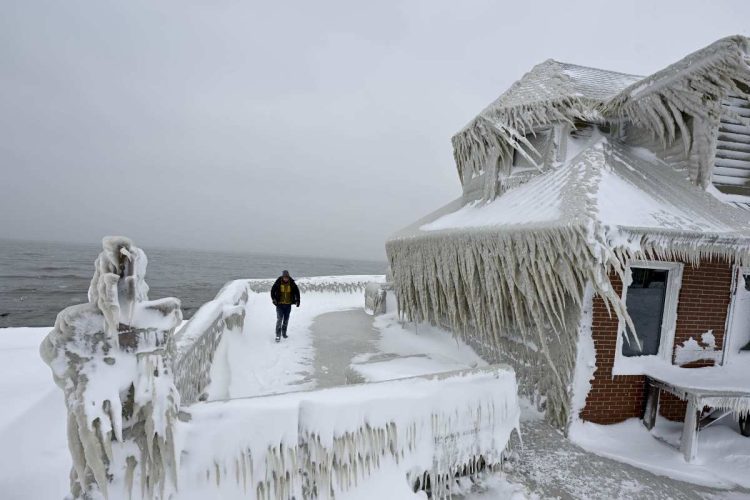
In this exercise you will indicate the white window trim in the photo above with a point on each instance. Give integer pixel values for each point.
(669, 318)
(737, 280)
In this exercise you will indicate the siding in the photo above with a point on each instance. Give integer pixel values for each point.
(731, 173)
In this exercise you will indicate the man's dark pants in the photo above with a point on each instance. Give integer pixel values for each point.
(282, 318)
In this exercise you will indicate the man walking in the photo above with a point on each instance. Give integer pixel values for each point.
(284, 293)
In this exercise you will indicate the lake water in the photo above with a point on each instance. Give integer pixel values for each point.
(38, 279)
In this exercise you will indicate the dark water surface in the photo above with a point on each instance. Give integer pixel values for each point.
(38, 279)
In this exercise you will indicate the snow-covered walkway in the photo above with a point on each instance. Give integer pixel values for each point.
(553, 467)
(332, 341)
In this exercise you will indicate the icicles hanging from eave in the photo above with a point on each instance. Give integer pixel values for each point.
(688, 248)
(493, 285)
(691, 88)
(495, 135)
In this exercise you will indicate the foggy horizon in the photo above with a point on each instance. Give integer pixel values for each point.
(230, 251)
(311, 130)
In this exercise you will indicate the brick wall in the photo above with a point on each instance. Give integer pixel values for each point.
(703, 304)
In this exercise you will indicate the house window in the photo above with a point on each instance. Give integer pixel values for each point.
(540, 141)
(651, 301)
(645, 303)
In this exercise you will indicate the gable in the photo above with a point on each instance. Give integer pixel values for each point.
(731, 173)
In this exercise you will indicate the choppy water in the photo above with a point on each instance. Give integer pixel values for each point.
(38, 279)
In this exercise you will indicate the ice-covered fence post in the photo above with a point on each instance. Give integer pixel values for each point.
(112, 357)
(375, 298)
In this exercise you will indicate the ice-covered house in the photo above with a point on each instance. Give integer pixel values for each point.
(577, 181)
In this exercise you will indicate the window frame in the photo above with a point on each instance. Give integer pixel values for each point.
(669, 316)
(531, 136)
(738, 274)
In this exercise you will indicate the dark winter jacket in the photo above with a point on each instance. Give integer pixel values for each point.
(276, 291)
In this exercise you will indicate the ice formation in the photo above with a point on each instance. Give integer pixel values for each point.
(671, 104)
(112, 358)
(514, 276)
(338, 284)
(320, 444)
(375, 294)
(197, 341)
(691, 89)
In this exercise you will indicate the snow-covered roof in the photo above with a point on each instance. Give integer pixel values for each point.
(613, 186)
(554, 92)
(553, 81)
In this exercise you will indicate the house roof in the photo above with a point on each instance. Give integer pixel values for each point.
(620, 189)
(553, 81)
(554, 92)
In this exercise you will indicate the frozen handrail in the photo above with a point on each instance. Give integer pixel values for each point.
(337, 284)
(196, 342)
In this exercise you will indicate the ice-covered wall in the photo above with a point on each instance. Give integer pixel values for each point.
(196, 342)
(112, 357)
(321, 444)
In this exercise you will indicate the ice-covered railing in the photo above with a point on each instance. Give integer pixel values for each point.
(422, 432)
(196, 342)
(337, 284)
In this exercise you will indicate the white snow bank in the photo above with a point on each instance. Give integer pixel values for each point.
(337, 437)
(34, 457)
(723, 461)
(421, 349)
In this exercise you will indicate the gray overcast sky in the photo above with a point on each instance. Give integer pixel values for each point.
(308, 128)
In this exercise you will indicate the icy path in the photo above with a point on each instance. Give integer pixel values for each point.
(553, 467)
(332, 341)
(253, 363)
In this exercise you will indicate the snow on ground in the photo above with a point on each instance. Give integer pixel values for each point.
(254, 364)
(414, 350)
(34, 459)
(723, 453)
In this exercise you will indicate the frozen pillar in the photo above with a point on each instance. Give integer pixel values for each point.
(112, 357)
